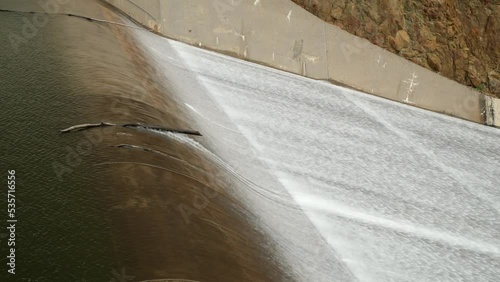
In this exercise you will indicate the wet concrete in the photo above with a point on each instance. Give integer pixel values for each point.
(162, 202)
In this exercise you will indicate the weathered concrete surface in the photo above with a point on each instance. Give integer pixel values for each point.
(277, 33)
(283, 35)
(356, 62)
(496, 113)
(492, 108)
(457, 39)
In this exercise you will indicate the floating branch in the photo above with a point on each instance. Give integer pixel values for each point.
(129, 125)
(164, 129)
(85, 126)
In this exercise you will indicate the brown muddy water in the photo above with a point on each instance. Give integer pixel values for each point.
(110, 203)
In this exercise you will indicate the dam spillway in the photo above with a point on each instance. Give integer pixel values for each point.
(293, 179)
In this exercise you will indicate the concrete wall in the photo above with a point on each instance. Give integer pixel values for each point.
(496, 112)
(281, 34)
(259, 31)
(147, 12)
(492, 107)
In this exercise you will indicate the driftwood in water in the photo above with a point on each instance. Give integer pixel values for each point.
(129, 125)
(85, 126)
(160, 128)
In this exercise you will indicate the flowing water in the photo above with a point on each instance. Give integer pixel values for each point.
(292, 179)
(96, 204)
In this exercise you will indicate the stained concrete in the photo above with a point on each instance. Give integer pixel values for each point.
(283, 35)
(492, 110)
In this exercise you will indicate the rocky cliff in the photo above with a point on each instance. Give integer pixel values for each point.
(457, 38)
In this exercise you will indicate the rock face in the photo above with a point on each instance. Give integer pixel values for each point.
(459, 39)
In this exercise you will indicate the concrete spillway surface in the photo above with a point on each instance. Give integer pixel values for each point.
(397, 193)
(292, 180)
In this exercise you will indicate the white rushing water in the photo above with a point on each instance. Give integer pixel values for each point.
(349, 186)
